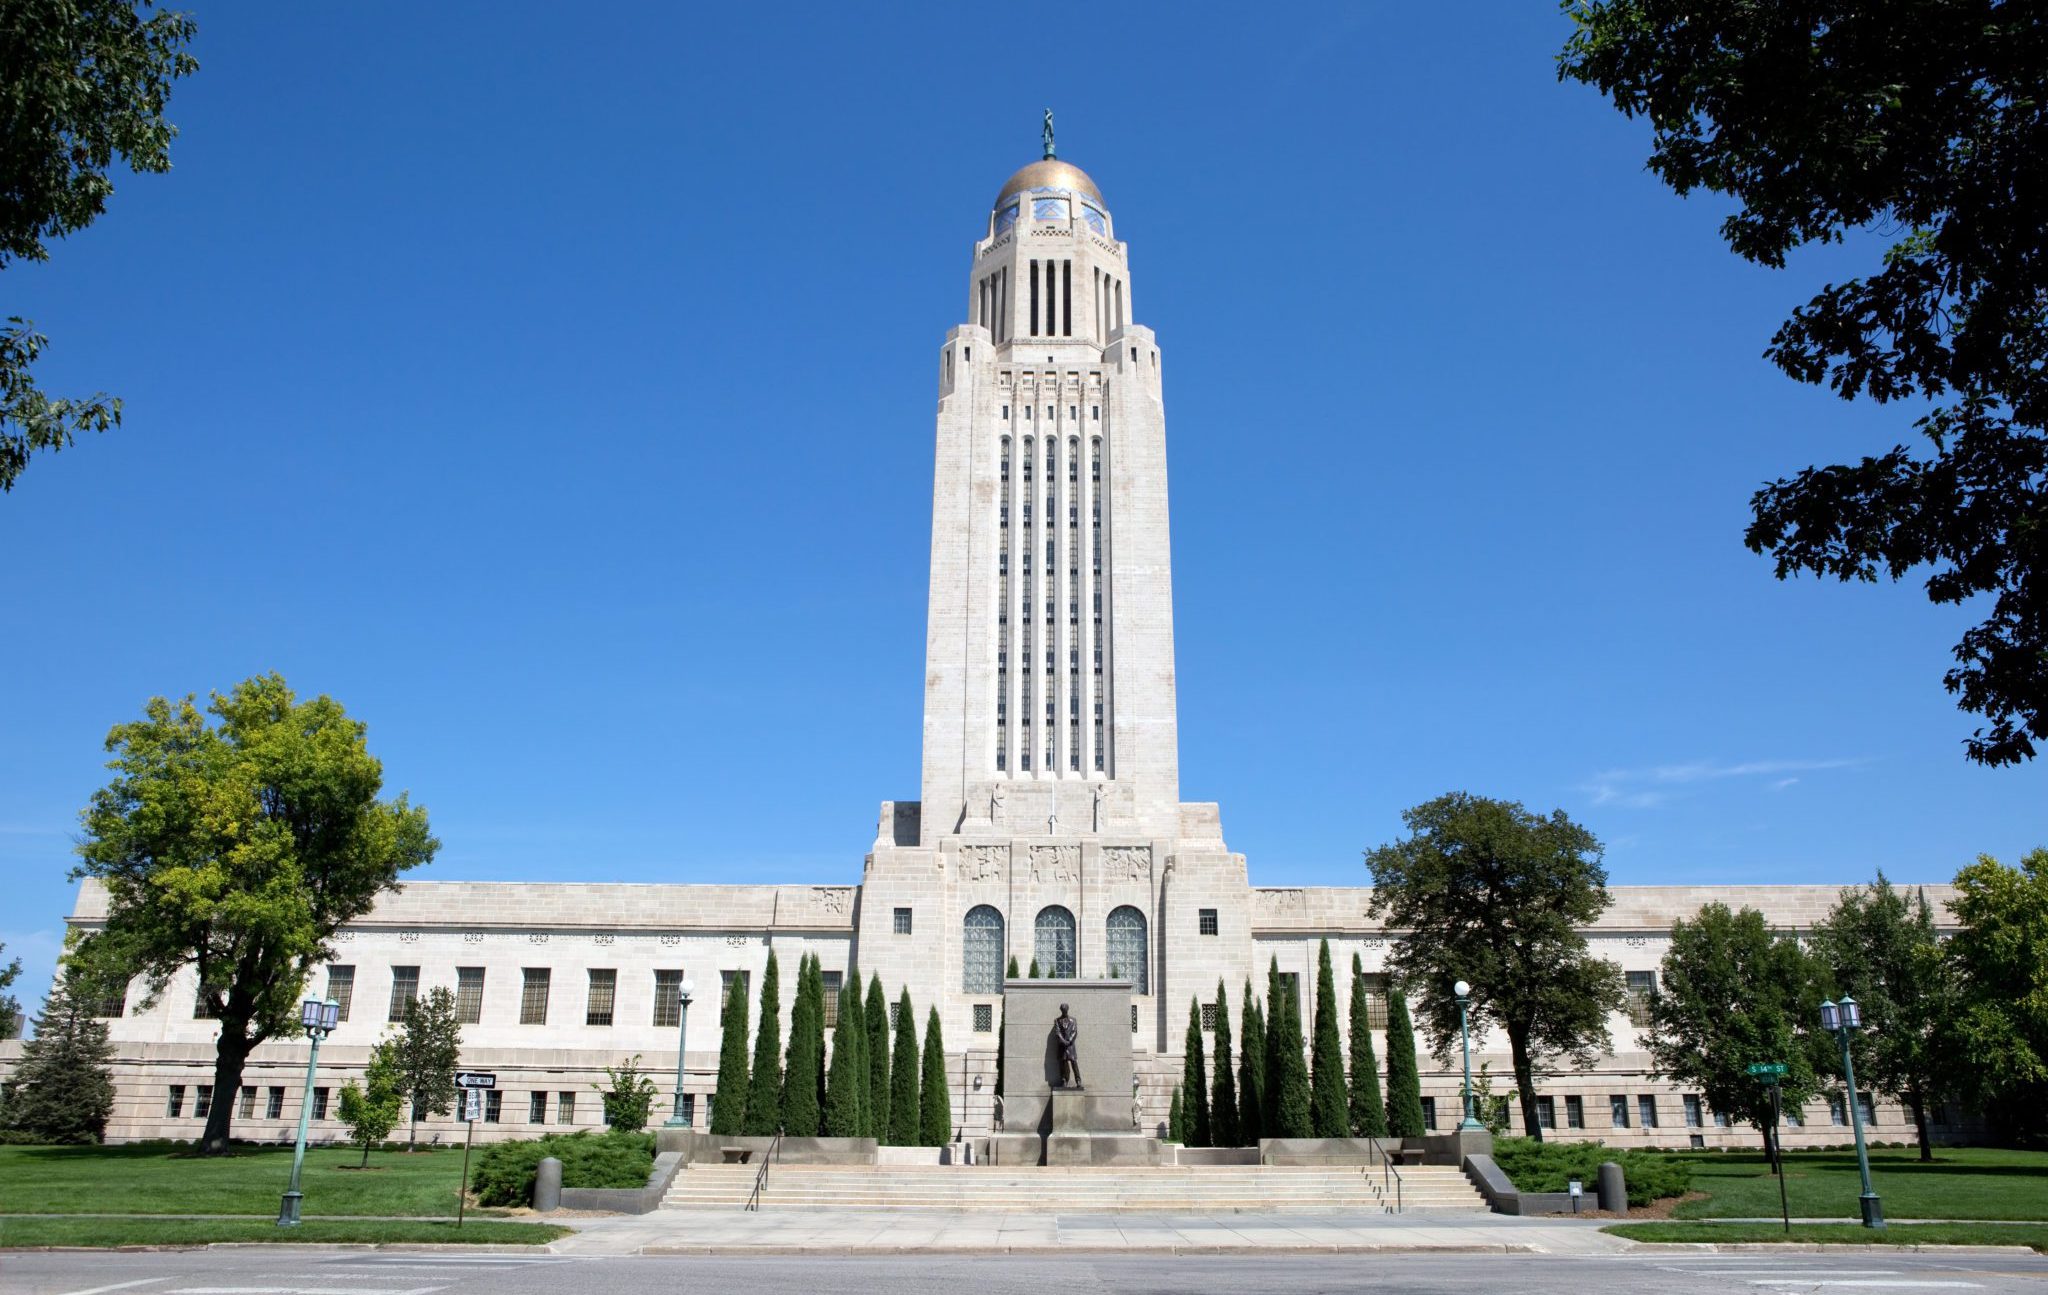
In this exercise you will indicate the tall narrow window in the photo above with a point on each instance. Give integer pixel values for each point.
(833, 980)
(1053, 945)
(604, 993)
(341, 987)
(981, 946)
(1376, 1001)
(668, 999)
(1642, 987)
(1066, 298)
(469, 995)
(405, 986)
(533, 995)
(1034, 298)
(1126, 945)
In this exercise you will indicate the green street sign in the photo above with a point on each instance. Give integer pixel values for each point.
(1767, 1070)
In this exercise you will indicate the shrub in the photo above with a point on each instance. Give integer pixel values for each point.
(1547, 1166)
(504, 1171)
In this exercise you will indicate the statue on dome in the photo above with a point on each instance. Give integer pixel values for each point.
(1045, 133)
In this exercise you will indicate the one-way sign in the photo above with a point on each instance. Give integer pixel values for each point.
(475, 1079)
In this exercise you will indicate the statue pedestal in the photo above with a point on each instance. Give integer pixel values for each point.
(1070, 1110)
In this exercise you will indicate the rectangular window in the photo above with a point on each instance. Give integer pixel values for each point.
(341, 987)
(1867, 1105)
(273, 1109)
(1617, 1110)
(1376, 1001)
(202, 1010)
(533, 994)
(984, 1018)
(1795, 1117)
(689, 1110)
(1721, 1120)
(726, 980)
(248, 1106)
(469, 995)
(1575, 1112)
(536, 1108)
(1642, 986)
(903, 921)
(1207, 921)
(896, 1015)
(1208, 1016)
(494, 1105)
(320, 1103)
(405, 986)
(1691, 1102)
(174, 1105)
(1429, 1112)
(565, 1107)
(202, 1102)
(1546, 1112)
(1134, 1018)
(832, 979)
(1646, 1110)
(604, 989)
(1838, 1113)
(114, 1005)
(668, 999)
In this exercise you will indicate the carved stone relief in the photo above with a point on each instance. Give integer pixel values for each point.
(1055, 863)
(983, 862)
(1127, 862)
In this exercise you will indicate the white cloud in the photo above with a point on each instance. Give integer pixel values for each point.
(1649, 787)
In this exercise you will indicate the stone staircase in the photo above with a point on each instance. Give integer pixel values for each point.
(1177, 1189)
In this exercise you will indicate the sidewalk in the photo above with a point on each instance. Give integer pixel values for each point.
(682, 1232)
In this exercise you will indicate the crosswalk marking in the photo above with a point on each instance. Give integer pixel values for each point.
(1865, 1283)
(302, 1290)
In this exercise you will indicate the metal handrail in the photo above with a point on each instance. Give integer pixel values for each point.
(761, 1178)
(1390, 1173)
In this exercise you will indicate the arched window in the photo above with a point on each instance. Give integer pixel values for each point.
(981, 949)
(1054, 947)
(1127, 952)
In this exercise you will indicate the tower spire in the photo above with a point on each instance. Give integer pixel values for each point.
(1045, 133)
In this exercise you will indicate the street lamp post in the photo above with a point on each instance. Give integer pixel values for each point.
(1843, 1019)
(675, 1118)
(1463, 993)
(318, 1019)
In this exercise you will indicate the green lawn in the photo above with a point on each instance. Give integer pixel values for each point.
(1961, 1183)
(1917, 1234)
(145, 1232)
(155, 1178)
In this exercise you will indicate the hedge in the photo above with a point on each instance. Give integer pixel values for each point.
(504, 1171)
(1547, 1166)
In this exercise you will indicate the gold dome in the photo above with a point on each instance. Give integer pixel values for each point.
(1051, 174)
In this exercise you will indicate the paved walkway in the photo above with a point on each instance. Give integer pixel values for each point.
(855, 1232)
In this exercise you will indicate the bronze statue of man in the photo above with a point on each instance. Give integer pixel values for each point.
(1065, 1031)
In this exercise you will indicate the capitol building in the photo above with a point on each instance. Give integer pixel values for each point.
(1048, 826)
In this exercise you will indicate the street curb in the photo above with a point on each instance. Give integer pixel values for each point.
(427, 1247)
(1822, 1247)
(899, 1252)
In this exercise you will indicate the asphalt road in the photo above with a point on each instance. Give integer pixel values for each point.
(292, 1271)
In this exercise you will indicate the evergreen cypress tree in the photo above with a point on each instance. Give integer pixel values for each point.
(62, 1089)
(1368, 1112)
(936, 1121)
(1274, 1017)
(1223, 1123)
(800, 1113)
(1329, 1104)
(875, 1015)
(1177, 1120)
(1291, 1103)
(1404, 1081)
(764, 1088)
(904, 1112)
(851, 1004)
(1195, 1079)
(1012, 974)
(1251, 1072)
(846, 1083)
(814, 984)
(1034, 969)
(729, 1103)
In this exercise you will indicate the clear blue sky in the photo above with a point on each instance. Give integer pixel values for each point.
(554, 387)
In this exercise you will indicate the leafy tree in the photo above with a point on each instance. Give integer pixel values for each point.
(1177, 1119)
(1487, 892)
(1368, 1114)
(240, 849)
(2002, 970)
(905, 1112)
(729, 1101)
(846, 1084)
(1195, 1081)
(1404, 1079)
(429, 1050)
(1733, 995)
(87, 82)
(1328, 1112)
(62, 1089)
(627, 1096)
(935, 1122)
(1287, 1095)
(1880, 945)
(764, 1082)
(1224, 1128)
(372, 1111)
(1251, 1073)
(10, 1006)
(802, 1113)
(875, 1015)
(1918, 124)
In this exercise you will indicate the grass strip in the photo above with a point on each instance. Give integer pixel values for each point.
(1897, 1234)
(58, 1231)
